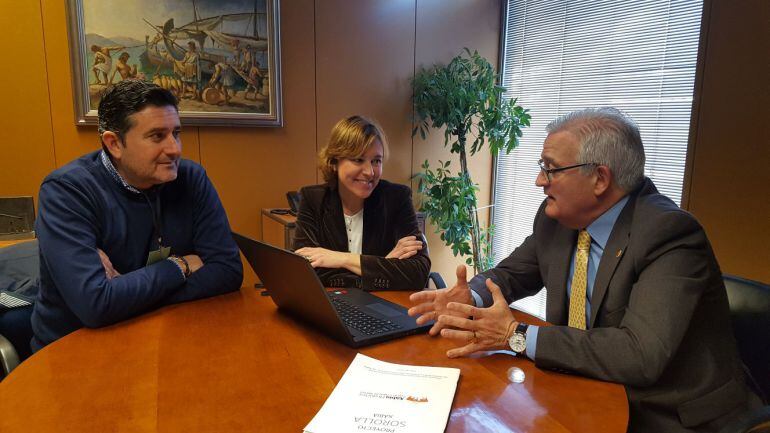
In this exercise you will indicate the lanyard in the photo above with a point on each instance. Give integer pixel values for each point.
(157, 218)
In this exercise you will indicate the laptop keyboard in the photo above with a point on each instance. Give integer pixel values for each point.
(353, 317)
(10, 301)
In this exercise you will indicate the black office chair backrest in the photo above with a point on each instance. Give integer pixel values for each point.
(750, 315)
(434, 278)
(19, 282)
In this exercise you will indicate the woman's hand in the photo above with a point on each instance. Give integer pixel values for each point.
(406, 247)
(323, 258)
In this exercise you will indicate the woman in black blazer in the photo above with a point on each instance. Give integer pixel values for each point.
(356, 229)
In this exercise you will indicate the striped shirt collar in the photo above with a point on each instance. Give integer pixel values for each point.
(114, 173)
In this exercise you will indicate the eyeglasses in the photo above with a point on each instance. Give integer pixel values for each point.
(550, 171)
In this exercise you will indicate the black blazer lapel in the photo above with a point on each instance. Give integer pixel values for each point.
(333, 221)
(374, 224)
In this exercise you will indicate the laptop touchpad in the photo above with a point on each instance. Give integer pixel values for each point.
(384, 309)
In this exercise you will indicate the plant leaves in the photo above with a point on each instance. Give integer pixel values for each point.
(464, 97)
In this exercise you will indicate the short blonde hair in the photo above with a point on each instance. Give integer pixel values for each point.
(350, 138)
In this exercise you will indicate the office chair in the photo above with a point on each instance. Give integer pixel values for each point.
(434, 278)
(750, 315)
(9, 359)
(15, 336)
(19, 282)
(756, 421)
(17, 218)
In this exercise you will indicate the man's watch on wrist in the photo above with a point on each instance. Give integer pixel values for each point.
(518, 340)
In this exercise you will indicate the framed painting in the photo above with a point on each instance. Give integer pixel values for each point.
(220, 58)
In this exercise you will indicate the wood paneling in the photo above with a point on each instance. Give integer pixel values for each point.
(70, 142)
(731, 153)
(26, 140)
(252, 168)
(364, 65)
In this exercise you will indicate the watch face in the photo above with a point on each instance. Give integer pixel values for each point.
(517, 342)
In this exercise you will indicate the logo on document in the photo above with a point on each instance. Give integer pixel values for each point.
(417, 399)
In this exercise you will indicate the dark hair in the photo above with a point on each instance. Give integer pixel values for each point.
(125, 98)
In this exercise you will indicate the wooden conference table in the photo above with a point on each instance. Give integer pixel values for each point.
(233, 363)
(8, 243)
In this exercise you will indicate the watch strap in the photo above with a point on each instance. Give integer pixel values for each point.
(521, 328)
(517, 340)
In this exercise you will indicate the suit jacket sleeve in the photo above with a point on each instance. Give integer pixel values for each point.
(380, 273)
(672, 263)
(309, 233)
(518, 275)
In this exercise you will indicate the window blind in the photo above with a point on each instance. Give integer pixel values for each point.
(563, 55)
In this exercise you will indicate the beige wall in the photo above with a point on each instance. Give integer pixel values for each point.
(341, 57)
(441, 34)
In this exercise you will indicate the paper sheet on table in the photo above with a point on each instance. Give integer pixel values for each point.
(377, 396)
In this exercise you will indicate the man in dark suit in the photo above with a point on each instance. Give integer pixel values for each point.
(634, 290)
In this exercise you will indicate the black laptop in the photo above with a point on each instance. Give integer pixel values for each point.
(350, 315)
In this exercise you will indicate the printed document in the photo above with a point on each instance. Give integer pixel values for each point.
(377, 396)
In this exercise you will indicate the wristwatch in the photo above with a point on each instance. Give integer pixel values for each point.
(518, 341)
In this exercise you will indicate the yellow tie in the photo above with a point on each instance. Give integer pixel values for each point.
(577, 299)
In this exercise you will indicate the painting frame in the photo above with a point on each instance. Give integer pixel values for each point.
(268, 89)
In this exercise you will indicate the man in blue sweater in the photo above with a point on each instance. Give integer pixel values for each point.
(131, 227)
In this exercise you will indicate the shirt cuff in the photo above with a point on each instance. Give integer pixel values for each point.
(531, 341)
(477, 301)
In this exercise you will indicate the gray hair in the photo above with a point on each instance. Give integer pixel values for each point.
(607, 137)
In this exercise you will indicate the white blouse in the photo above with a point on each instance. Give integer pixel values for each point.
(354, 228)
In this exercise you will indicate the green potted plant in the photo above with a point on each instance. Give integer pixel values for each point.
(465, 98)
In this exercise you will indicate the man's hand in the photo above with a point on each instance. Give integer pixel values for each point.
(323, 258)
(488, 330)
(109, 270)
(433, 303)
(405, 247)
(194, 261)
